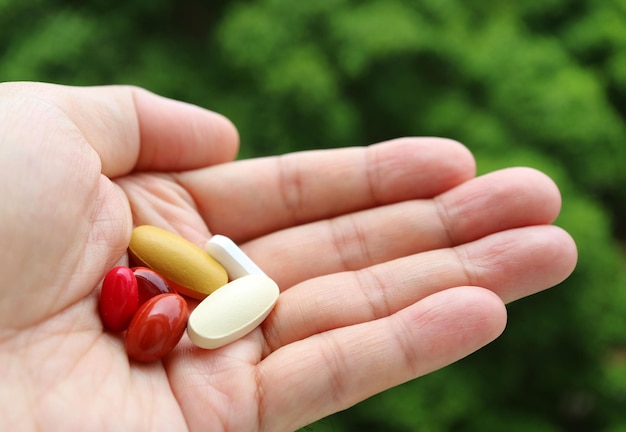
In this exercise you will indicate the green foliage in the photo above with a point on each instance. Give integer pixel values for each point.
(535, 83)
(37, 55)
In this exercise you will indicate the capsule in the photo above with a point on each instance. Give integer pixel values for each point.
(156, 327)
(150, 284)
(119, 298)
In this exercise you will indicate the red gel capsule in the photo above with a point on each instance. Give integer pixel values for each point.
(156, 327)
(150, 284)
(119, 298)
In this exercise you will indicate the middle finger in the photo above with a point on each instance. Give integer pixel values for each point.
(495, 202)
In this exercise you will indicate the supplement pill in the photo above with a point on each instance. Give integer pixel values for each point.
(119, 298)
(156, 327)
(150, 284)
(191, 271)
(229, 255)
(232, 311)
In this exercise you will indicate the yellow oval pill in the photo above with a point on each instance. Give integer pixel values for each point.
(192, 270)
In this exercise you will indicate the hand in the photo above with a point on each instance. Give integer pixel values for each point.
(393, 260)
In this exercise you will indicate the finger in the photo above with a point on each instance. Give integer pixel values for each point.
(332, 371)
(494, 202)
(256, 197)
(504, 199)
(133, 129)
(179, 136)
(513, 264)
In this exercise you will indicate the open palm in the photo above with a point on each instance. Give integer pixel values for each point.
(393, 261)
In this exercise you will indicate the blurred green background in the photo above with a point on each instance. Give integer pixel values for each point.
(535, 83)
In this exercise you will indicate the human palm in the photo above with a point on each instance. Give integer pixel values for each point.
(393, 261)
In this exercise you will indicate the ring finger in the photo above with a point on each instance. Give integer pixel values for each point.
(513, 264)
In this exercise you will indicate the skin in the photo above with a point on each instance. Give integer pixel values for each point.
(394, 260)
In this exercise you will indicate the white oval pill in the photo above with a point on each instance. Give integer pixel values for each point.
(231, 257)
(232, 311)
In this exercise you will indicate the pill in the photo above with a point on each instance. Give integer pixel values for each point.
(189, 269)
(156, 327)
(119, 298)
(232, 311)
(150, 284)
(231, 257)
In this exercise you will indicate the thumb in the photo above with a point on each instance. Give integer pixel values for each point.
(67, 223)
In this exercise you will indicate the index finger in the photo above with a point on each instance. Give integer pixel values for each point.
(255, 197)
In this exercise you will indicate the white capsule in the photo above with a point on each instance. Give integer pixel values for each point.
(231, 257)
(232, 311)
